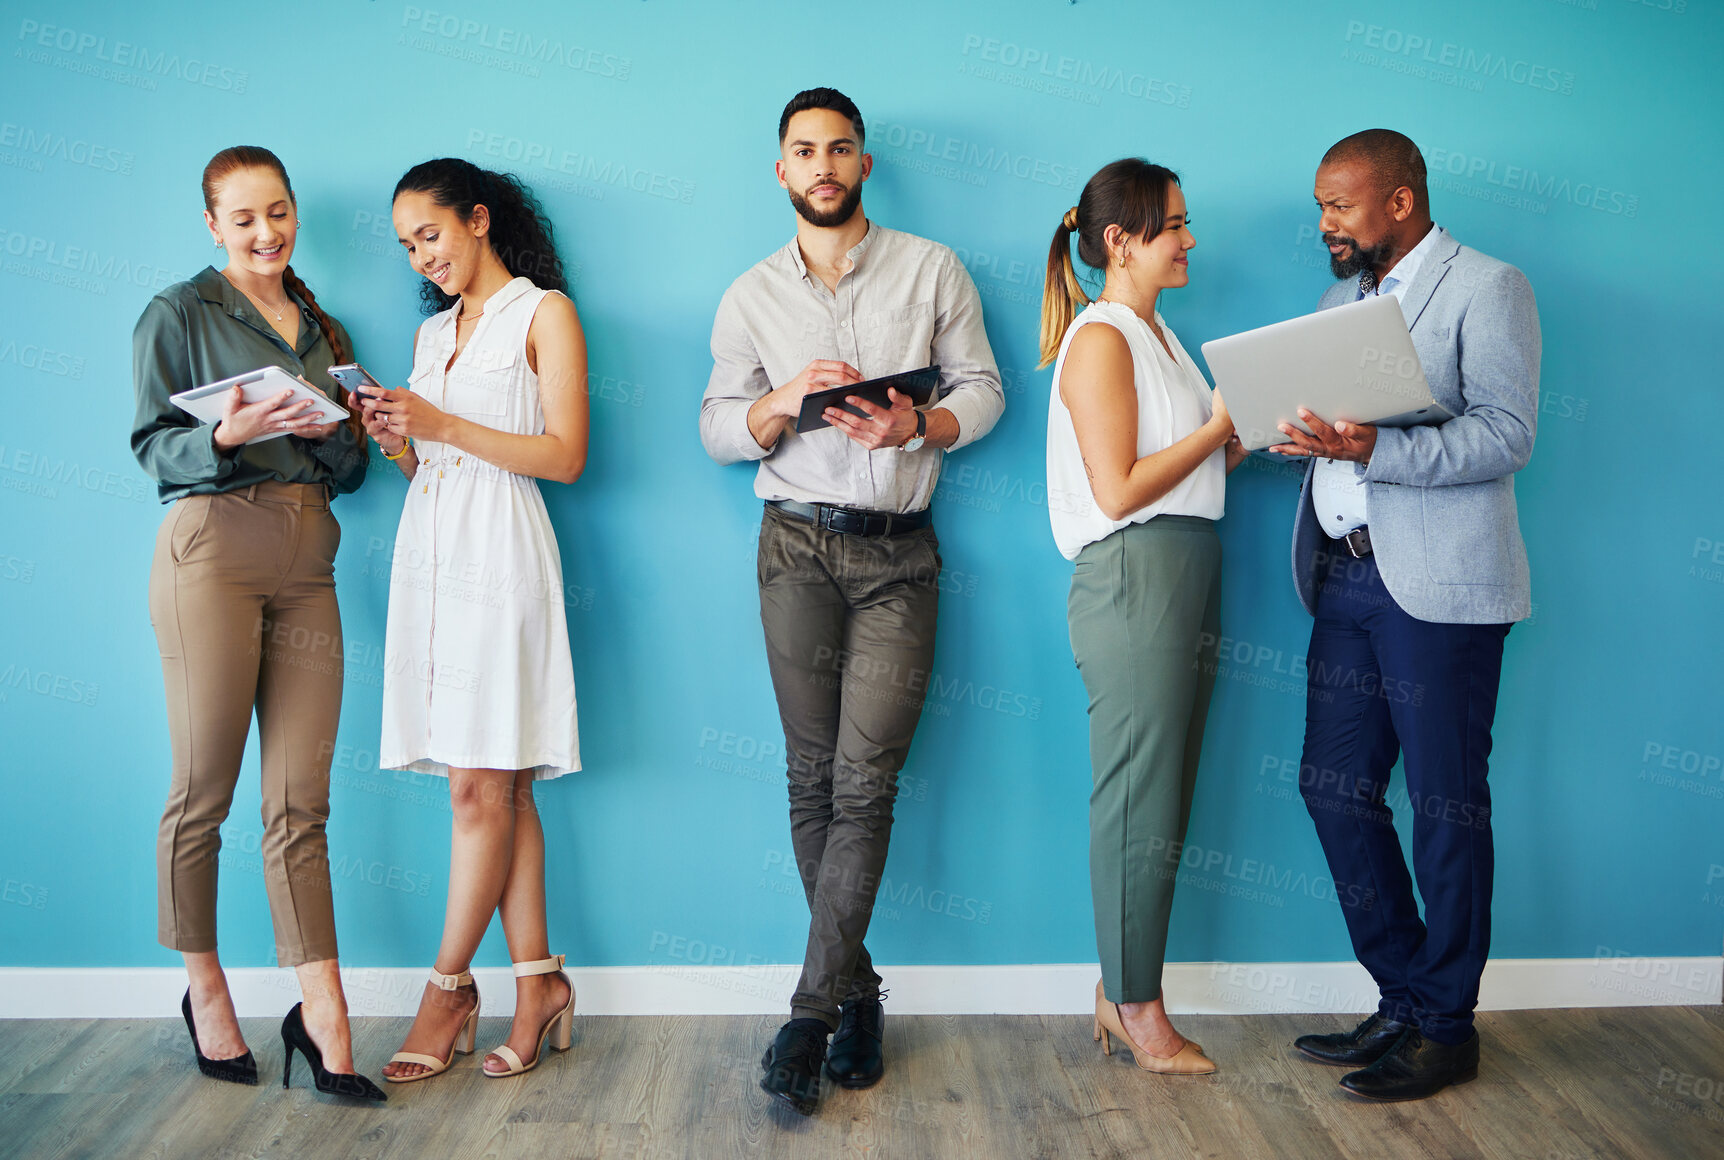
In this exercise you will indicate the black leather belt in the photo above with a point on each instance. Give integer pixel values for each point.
(1358, 542)
(854, 521)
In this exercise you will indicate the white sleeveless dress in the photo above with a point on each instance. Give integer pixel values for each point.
(477, 671)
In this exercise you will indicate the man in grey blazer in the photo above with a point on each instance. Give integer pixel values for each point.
(1407, 552)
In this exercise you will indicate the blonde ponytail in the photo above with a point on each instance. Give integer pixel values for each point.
(1062, 293)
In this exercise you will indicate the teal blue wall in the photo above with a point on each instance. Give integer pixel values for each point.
(1575, 140)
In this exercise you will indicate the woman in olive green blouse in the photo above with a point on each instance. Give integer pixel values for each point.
(242, 597)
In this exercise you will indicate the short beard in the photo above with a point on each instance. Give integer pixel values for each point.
(1363, 258)
(843, 212)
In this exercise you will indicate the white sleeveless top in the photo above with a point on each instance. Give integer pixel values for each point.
(478, 672)
(1172, 402)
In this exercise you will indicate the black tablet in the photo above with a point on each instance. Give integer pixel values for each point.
(919, 385)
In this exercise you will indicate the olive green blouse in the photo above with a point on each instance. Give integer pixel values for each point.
(198, 331)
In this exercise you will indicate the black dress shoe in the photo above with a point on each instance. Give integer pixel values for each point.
(855, 1059)
(793, 1062)
(239, 1069)
(1365, 1044)
(1416, 1068)
(294, 1037)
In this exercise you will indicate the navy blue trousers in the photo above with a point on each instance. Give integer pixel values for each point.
(1382, 684)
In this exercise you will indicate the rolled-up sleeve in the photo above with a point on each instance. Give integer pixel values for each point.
(969, 377)
(738, 381)
(170, 444)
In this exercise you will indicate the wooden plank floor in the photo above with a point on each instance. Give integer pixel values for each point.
(1617, 1084)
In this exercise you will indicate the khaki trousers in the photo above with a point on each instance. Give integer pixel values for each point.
(242, 597)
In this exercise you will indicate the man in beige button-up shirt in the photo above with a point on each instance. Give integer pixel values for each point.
(849, 564)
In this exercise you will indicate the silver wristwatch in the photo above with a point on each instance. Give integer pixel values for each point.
(914, 443)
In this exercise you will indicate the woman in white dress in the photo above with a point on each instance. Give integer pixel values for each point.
(478, 683)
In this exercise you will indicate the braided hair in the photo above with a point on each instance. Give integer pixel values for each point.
(224, 165)
(520, 234)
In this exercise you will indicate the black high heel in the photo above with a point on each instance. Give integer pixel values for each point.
(239, 1069)
(330, 1083)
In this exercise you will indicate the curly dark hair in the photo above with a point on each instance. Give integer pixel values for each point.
(520, 234)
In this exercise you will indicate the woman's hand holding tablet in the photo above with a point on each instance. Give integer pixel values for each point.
(262, 404)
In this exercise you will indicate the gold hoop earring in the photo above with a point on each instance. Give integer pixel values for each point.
(219, 245)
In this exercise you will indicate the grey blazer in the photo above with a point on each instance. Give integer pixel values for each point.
(1441, 499)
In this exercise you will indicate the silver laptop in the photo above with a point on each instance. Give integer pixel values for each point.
(1355, 362)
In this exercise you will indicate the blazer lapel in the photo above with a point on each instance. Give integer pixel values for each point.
(1418, 295)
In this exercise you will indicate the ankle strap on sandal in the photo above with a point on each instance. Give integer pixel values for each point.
(450, 982)
(539, 967)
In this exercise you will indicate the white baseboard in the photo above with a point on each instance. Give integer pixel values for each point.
(1030, 989)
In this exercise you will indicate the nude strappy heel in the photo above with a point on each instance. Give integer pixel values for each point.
(1188, 1060)
(560, 1027)
(463, 1038)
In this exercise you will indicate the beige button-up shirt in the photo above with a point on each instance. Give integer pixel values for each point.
(906, 302)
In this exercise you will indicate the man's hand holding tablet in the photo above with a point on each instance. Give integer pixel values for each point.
(879, 412)
(776, 409)
(861, 419)
(882, 427)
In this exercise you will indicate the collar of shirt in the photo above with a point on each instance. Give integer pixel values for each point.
(440, 333)
(213, 286)
(1344, 503)
(500, 298)
(854, 253)
(1404, 271)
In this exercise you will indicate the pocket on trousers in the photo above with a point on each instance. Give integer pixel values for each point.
(766, 552)
(191, 517)
(932, 543)
(329, 536)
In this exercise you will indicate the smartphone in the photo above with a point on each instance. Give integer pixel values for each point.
(353, 376)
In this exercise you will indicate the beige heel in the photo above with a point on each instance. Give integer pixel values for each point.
(464, 1037)
(1188, 1060)
(559, 1030)
(563, 1027)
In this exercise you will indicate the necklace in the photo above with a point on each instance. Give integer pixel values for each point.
(260, 302)
(460, 318)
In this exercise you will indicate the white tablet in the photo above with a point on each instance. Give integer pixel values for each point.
(1354, 362)
(207, 401)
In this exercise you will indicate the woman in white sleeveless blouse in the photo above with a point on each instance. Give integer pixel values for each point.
(1138, 454)
(478, 682)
